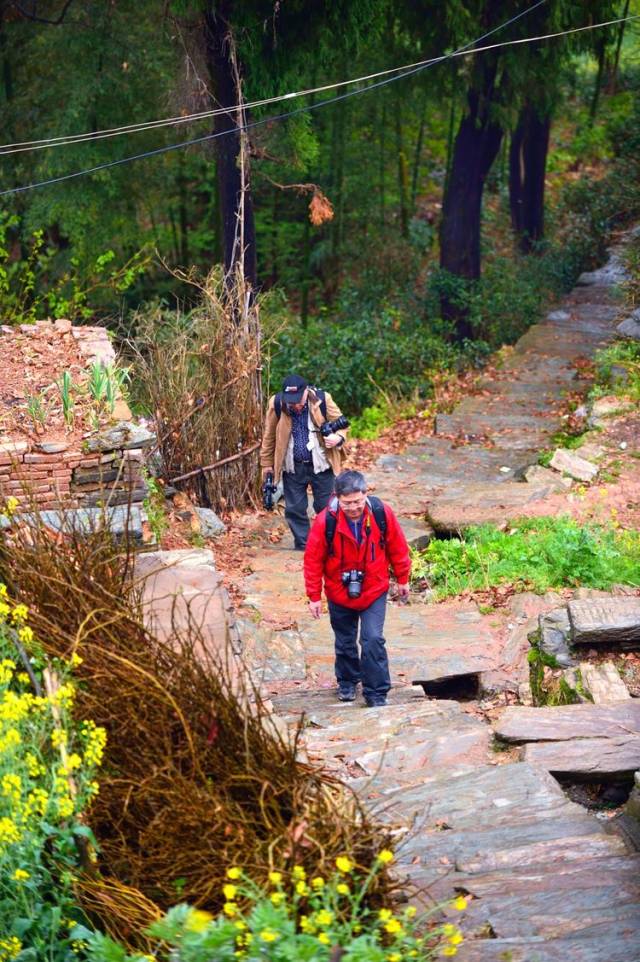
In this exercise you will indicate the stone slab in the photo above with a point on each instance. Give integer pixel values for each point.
(271, 655)
(614, 620)
(483, 503)
(566, 722)
(587, 759)
(601, 942)
(603, 682)
(568, 462)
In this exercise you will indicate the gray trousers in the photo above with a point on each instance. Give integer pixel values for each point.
(370, 665)
(294, 486)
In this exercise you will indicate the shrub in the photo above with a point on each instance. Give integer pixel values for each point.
(618, 370)
(295, 919)
(533, 554)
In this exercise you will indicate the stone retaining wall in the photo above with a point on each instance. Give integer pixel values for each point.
(104, 465)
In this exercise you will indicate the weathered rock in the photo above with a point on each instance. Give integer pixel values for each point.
(418, 533)
(630, 327)
(537, 474)
(210, 524)
(555, 632)
(602, 682)
(123, 435)
(588, 759)
(611, 620)
(568, 462)
(119, 519)
(62, 325)
(558, 316)
(483, 503)
(606, 407)
(13, 448)
(567, 722)
(52, 447)
(613, 272)
(632, 808)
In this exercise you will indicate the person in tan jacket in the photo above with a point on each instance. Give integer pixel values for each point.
(294, 450)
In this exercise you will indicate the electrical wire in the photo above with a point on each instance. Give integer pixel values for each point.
(21, 146)
(322, 103)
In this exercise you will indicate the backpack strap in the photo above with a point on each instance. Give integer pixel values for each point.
(277, 405)
(377, 510)
(330, 524)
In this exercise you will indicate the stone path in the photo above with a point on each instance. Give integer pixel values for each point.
(548, 880)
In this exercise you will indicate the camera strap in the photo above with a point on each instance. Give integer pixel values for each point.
(331, 521)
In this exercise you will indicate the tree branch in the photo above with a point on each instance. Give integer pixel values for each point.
(33, 16)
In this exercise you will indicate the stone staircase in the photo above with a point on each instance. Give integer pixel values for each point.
(548, 880)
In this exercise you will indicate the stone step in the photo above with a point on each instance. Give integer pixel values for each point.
(521, 724)
(602, 942)
(483, 503)
(587, 759)
(613, 621)
(494, 424)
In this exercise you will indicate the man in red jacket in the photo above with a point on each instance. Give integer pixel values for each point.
(351, 546)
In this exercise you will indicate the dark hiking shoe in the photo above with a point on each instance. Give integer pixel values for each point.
(376, 702)
(347, 693)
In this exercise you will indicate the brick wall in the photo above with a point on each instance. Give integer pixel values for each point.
(103, 465)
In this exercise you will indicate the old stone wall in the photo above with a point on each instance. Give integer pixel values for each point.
(88, 467)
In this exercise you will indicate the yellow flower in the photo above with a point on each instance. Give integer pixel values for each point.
(410, 912)
(9, 832)
(324, 917)
(385, 914)
(342, 889)
(20, 875)
(302, 888)
(344, 864)
(275, 878)
(75, 660)
(460, 903)
(456, 939)
(393, 927)
(25, 634)
(385, 856)
(277, 898)
(197, 920)
(449, 929)
(305, 924)
(268, 935)
(9, 948)
(234, 872)
(19, 613)
(58, 737)
(230, 891)
(65, 806)
(12, 786)
(240, 925)
(299, 873)
(10, 506)
(449, 950)
(10, 739)
(394, 957)
(230, 909)
(324, 938)
(317, 883)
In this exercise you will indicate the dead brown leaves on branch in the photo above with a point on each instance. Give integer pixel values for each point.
(193, 780)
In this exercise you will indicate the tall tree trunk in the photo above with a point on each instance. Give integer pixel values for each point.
(381, 160)
(402, 172)
(527, 168)
(602, 55)
(476, 146)
(238, 229)
(337, 137)
(613, 79)
(418, 153)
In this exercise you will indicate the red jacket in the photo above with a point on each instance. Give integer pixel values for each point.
(347, 553)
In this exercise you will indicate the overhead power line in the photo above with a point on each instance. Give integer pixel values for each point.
(21, 146)
(465, 51)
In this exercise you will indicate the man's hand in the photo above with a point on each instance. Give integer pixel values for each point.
(315, 607)
(403, 592)
(332, 440)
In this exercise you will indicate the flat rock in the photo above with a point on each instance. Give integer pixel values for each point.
(418, 533)
(123, 435)
(602, 942)
(588, 759)
(52, 447)
(609, 620)
(607, 407)
(271, 655)
(538, 475)
(483, 503)
(566, 722)
(121, 520)
(603, 682)
(568, 462)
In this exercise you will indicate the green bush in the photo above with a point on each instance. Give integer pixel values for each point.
(533, 554)
(618, 370)
(296, 920)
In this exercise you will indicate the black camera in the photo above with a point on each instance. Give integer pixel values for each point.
(352, 580)
(268, 491)
(330, 427)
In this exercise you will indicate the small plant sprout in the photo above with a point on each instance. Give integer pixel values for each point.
(65, 387)
(106, 384)
(36, 411)
(97, 384)
(117, 377)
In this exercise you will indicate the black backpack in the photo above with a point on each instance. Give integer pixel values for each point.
(277, 403)
(377, 510)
